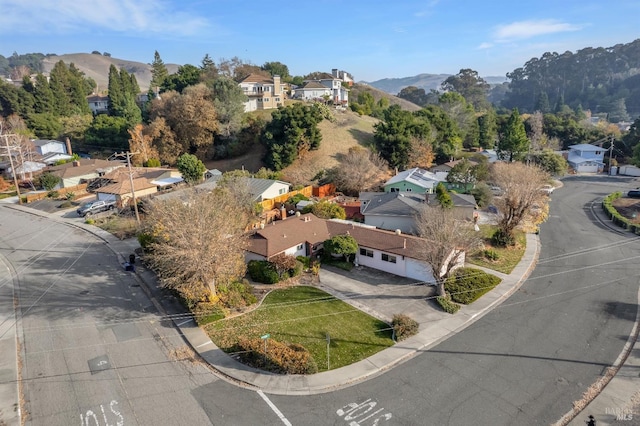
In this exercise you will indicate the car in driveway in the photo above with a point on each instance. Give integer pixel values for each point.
(94, 207)
(634, 193)
(547, 189)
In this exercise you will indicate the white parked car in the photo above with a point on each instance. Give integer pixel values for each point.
(547, 189)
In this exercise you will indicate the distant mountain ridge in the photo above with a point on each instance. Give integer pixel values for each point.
(422, 81)
(97, 67)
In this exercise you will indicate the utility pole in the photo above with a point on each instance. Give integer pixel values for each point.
(13, 169)
(133, 191)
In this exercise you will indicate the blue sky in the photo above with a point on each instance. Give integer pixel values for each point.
(371, 39)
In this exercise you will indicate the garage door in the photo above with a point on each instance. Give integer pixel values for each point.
(418, 271)
(588, 168)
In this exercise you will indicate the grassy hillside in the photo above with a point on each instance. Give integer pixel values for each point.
(350, 129)
(377, 94)
(97, 67)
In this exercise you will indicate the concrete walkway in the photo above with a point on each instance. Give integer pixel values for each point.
(435, 326)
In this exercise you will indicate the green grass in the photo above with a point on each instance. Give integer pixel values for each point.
(508, 257)
(8, 194)
(304, 315)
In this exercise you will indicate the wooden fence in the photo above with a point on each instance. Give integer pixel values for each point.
(272, 203)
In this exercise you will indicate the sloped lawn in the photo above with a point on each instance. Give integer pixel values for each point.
(304, 315)
(507, 257)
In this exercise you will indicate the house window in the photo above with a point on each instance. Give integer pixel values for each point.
(282, 191)
(388, 258)
(266, 99)
(366, 252)
(259, 99)
(408, 189)
(394, 189)
(300, 247)
(277, 99)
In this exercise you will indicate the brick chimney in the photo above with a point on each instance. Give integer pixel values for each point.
(283, 212)
(277, 86)
(68, 143)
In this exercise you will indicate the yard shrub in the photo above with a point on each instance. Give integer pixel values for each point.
(145, 239)
(279, 358)
(502, 239)
(297, 270)
(469, 284)
(447, 305)
(90, 221)
(53, 194)
(262, 271)
(236, 294)
(65, 205)
(306, 262)
(297, 198)
(404, 327)
(490, 255)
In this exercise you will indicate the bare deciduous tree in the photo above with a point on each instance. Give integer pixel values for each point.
(198, 241)
(420, 153)
(521, 186)
(445, 241)
(359, 170)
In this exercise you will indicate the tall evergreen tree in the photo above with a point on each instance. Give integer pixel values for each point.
(59, 84)
(77, 91)
(116, 92)
(43, 96)
(159, 73)
(513, 144)
(487, 130)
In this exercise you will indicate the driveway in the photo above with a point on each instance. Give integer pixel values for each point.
(380, 294)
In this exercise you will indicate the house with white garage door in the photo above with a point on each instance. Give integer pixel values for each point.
(304, 235)
(586, 158)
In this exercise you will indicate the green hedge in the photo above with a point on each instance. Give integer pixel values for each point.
(262, 271)
(617, 218)
(467, 285)
(447, 305)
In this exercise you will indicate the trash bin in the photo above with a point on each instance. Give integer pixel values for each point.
(132, 259)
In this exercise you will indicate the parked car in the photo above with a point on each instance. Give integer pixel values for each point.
(547, 189)
(94, 207)
(634, 193)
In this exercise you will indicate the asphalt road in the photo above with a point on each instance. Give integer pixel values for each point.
(527, 361)
(524, 363)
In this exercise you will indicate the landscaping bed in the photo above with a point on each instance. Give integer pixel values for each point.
(304, 315)
(501, 259)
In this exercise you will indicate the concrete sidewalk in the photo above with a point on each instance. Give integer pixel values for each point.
(435, 327)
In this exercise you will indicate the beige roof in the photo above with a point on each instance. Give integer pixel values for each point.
(146, 172)
(257, 78)
(307, 228)
(124, 186)
(83, 167)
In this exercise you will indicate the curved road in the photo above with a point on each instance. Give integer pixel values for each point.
(92, 338)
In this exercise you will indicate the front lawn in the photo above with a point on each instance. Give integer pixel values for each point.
(304, 315)
(506, 258)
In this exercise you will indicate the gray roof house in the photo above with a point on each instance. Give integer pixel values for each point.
(397, 210)
(415, 180)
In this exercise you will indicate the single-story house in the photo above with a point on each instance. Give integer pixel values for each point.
(47, 146)
(83, 171)
(397, 210)
(265, 189)
(586, 158)
(121, 191)
(304, 235)
(415, 180)
(26, 169)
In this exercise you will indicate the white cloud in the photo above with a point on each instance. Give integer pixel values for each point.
(485, 45)
(532, 28)
(72, 16)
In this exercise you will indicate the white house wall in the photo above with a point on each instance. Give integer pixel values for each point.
(404, 267)
(275, 190)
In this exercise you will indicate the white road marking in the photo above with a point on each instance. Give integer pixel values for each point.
(274, 408)
(184, 322)
(204, 344)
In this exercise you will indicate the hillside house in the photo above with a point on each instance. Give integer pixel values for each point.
(324, 84)
(263, 92)
(98, 104)
(83, 171)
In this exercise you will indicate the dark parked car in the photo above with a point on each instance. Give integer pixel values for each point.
(634, 193)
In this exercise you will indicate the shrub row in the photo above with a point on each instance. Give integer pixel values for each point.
(265, 272)
(279, 358)
(404, 327)
(468, 284)
(447, 305)
(617, 218)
